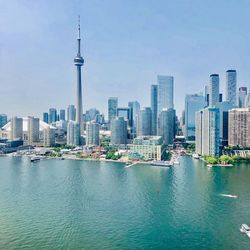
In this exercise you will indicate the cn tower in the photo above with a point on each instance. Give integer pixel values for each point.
(78, 61)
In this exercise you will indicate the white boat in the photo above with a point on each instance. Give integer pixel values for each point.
(35, 158)
(245, 229)
(195, 156)
(161, 163)
(229, 195)
(176, 163)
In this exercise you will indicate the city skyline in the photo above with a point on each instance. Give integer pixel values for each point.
(116, 62)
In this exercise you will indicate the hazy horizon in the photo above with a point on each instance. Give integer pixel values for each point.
(125, 45)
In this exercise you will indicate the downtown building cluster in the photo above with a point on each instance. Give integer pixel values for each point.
(215, 123)
(209, 120)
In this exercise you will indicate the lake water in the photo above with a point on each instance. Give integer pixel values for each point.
(55, 204)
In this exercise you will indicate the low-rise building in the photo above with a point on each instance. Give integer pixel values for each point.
(148, 147)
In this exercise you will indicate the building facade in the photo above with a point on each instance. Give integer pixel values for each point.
(145, 122)
(193, 103)
(166, 125)
(3, 120)
(16, 128)
(165, 94)
(73, 133)
(92, 134)
(33, 130)
(208, 131)
(231, 86)
(154, 98)
(71, 113)
(242, 97)
(148, 147)
(214, 90)
(112, 108)
(118, 131)
(239, 127)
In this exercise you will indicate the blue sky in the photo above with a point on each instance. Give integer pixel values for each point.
(125, 45)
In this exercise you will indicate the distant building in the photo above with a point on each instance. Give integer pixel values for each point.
(92, 134)
(118, 131)
(145, 122)
(193, 103)
(73, 133)
(29, 129)
(148, 147)
(242, 97)
(247, 101)
(127, 114)
(208, 131)
(46, 117)
(16, 128)
(62, 115)
(231, 86)
(33, 130)
(239, 127)
(135, 107)
(154, 100)
(112, 108)
(71, 113)
(166, 125)
(165, 92)
(52, 115)
(214, 90)
(3, 120)
(224, 107)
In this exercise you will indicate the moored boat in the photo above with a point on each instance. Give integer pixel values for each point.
(161, 163)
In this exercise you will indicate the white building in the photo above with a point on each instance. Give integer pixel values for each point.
(73, 133)
(22, 127)
(208, 131)
(149, 147)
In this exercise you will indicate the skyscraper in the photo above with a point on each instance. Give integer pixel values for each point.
(208, 131)
(247, 100)
(118, 131)
(33, 130)
(62, 115)
(46, 117)
(166, 125)
(231, 85)
(92, 134)
(3, 120)
(165, 92)
(71, 113)
(193, 103)
(145, 122)
(48, 137)
(73, 133)
(214, 90)
(154, 96)
(52, 115)
(78, 61)
(239, 127)
(242, 97)
(135, 107)
(16, 128)
(112, 108)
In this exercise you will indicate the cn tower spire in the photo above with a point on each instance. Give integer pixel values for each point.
(78, 61)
